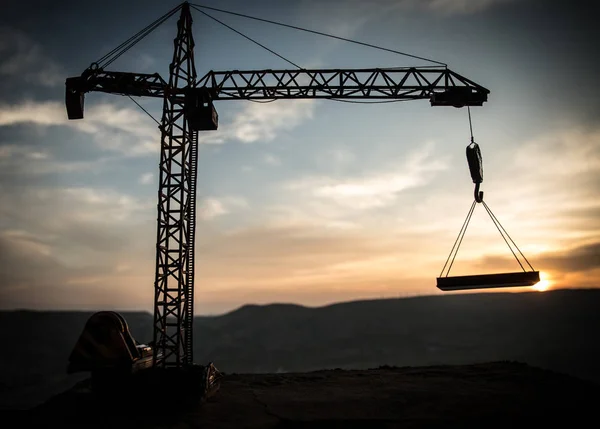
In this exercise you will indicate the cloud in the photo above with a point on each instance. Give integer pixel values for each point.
(40, 113)
(543, 191)
(566, 267)
(340, 157)
(450, 7)
(22, 257)
(23, 58)
(582, 258)
(78, 221)
(146, 179)
(376, 189)
(18, 161)
(118, 129)
(272, 159)
(288, 255)
(145, 63)
(63, 248)
(262, 121)
(338, 160)
(31, 276)
(344, 18)
(443, 7)
(567, 155)
(550, 184)
(211, 207)
(311, 264)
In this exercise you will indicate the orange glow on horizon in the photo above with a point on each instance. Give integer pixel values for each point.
(544, 283)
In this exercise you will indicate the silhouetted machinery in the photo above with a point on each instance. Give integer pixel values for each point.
(106, 347)
(118, 363)
(188, 108)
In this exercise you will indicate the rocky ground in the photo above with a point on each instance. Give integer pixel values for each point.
(500, 394)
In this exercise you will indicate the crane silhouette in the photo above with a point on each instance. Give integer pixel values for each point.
(188, 108)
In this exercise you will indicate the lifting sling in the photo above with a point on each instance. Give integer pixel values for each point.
(483, 281)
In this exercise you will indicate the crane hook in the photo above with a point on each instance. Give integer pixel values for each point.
(478, 194)
(476, 168)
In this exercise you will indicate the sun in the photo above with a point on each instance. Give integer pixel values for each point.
(543, 285)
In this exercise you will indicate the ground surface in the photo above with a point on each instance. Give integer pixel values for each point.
(502, 394)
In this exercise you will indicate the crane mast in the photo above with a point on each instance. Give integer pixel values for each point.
(175, 232)
(188, 108)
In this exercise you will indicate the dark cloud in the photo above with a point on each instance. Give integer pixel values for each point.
(583, 258)
(578, 259)
(31, 277)
(78, 221)
(589, 216)
(551, 48)
(24, 262)
(71, 29)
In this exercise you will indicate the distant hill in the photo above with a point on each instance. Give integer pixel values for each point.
(554, 330)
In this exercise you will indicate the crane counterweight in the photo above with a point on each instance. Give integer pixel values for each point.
(74, 98)
(200, 111)
(458, 97)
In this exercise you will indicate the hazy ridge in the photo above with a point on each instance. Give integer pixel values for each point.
(554, 330)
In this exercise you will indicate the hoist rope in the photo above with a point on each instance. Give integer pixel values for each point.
(458, 240)
(470, 123)
(499, 226)
(319, 33)
(501, 230)
(476, 170)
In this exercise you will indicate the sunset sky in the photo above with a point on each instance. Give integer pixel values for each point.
(300, 201)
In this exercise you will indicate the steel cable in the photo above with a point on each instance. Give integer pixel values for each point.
(106, 60)
(320, 33)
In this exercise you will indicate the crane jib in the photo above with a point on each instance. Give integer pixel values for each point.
(441, 87)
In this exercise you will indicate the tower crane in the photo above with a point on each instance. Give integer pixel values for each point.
(188, 108)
